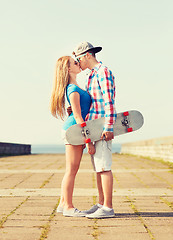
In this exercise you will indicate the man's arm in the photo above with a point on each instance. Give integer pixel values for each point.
(107, 84)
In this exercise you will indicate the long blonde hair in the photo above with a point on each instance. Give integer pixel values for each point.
(61, 80)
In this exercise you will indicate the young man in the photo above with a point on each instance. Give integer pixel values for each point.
(101, 86)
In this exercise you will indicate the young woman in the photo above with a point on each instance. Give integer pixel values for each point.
(65, 84)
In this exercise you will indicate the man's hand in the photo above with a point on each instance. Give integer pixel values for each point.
(107, 136)
(69, 110)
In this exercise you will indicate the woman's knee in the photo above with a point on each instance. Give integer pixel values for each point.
(72, 170)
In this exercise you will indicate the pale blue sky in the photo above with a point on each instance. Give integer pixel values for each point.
(136, 37)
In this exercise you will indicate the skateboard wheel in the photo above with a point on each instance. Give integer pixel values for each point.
(88, 140)
(126, 114)
(129, 129)
(83, 124)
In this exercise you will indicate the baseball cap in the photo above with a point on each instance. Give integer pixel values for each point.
(84, 47)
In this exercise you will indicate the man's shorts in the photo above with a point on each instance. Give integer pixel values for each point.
(102, 159)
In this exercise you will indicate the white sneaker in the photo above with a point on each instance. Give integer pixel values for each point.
(102, 213)
(74, 212)
(59, 209)
(92, 209)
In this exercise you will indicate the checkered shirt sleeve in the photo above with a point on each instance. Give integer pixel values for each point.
(107, 87)
(101, 86)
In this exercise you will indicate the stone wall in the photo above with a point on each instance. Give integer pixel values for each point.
(161, 148)
(13, 149)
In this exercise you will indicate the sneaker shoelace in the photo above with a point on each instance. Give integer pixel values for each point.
(76, 210)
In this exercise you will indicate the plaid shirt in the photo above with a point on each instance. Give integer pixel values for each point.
(101, 87)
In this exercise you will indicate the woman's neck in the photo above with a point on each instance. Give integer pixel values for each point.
(73, 79)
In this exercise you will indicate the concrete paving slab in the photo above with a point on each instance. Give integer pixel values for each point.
(7, 171)
(68, 233)
(85, 192)
(28, 223)
(123, 235)
(30, 190)
(20, 233)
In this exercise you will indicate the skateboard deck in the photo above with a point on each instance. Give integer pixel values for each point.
(91, 131)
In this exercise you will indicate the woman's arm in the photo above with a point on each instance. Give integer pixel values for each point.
(75, 104)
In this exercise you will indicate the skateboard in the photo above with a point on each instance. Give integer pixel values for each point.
(91, 131)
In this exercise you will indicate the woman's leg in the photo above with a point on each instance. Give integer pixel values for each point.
(73, 158)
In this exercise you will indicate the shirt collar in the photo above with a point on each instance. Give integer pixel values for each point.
(96, 68)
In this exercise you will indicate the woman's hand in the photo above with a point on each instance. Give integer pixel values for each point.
(91, 148)
(69, 110)
(84, 146)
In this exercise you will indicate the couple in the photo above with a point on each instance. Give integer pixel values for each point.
(97, 101)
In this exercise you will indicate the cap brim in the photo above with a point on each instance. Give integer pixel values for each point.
(94, 50)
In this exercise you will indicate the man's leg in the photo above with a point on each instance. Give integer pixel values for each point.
(107, 187)
(102, 160)
(100, 189)
(106, 184)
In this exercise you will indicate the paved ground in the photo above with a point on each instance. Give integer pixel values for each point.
(30, 189)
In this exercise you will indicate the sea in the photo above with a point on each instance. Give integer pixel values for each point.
(53, 149)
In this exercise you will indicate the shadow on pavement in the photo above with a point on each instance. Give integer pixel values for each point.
(144, 214)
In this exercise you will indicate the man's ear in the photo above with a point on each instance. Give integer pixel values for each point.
(88, 55)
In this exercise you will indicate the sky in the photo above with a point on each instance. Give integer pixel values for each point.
(136, 37)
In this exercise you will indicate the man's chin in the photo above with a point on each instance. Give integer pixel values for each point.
(82, 68)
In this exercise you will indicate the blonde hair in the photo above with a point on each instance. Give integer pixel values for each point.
(61, 80)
